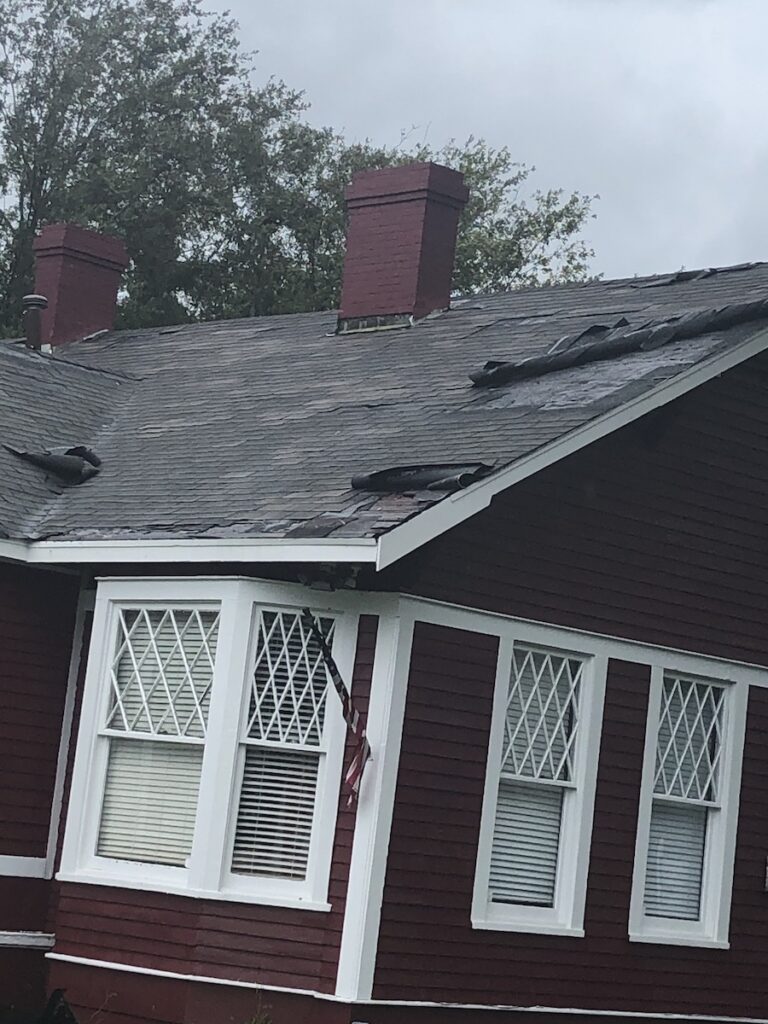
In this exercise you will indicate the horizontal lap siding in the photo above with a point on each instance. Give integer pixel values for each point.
(22, 983)
(37, 611)
(221, 939)
(428, 950)
(100, 995)
(660, 534)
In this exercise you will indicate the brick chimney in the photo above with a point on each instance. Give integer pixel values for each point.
(401, 243)
(78, 271)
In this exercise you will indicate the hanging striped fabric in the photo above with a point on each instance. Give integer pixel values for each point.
(362, 750)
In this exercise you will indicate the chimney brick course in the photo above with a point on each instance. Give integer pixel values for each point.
(78, 271)
(401, 244)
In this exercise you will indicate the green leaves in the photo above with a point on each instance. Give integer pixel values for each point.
(142, 117)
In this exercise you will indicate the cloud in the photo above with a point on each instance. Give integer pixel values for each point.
(658, 105)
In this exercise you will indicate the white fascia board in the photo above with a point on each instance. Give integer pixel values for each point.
(46, 552)
(458, 507)
(27, 940)
(14, 550)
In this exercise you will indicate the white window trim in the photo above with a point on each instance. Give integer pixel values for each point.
(566, 917)
(717, 881)
(207, 875)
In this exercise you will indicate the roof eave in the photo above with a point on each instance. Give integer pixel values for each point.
(86, 552)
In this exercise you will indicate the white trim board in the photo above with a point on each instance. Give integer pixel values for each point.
(27, 940)
(132, 552)
(477, 620)
(370, 848)
(23, 867)
(85, 605)
(456, 508)
(153, 972)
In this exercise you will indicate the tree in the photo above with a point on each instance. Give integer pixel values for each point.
(142, 117)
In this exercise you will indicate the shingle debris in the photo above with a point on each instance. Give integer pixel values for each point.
(448, 477)
(70, 466)
(604, 341)
(684, 276)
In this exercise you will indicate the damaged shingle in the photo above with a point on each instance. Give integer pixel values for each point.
(684, 276)
(601, 341)
(445, 477)
(70, 466)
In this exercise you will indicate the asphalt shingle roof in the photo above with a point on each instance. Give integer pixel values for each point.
(253, 428)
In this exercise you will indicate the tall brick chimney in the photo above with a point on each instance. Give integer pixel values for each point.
(401, 244)
(78, 271)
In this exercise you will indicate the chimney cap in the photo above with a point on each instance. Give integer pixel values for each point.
(60, 239)
(406, 179)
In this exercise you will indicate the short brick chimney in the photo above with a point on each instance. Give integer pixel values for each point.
(401, 244)
(78, 271)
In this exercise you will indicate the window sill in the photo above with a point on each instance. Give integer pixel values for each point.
(530, 927)
(228, 895)
(667, 939)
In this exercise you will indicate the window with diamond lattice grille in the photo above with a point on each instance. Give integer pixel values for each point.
(686, 792)
(536, 775)
(282, 749)
(160, 679)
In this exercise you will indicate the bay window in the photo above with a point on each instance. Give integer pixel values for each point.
(209, 755)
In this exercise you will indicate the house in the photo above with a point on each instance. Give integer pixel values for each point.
(533, 527)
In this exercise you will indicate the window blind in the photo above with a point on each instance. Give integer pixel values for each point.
(675, 861)
(526, 842)
(277, 802)
(150, 799)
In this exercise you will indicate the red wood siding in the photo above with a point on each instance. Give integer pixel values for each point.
(37, 611)
(428, 950)
(657, 533)
(113, 997)
(222, 939)
(22, 983)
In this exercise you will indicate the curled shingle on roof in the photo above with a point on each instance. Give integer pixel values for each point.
(601, 341)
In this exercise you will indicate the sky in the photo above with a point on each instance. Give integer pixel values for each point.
(657, 106)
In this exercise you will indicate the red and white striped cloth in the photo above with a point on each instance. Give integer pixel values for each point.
(362, 750)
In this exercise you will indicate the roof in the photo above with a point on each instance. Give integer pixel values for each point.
(255, 428)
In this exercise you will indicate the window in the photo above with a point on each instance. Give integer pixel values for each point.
(533, 852)
(283, 748)
(684, 856)
(160, 683)
(213, 763)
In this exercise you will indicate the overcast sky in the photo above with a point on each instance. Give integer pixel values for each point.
(657, 105)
